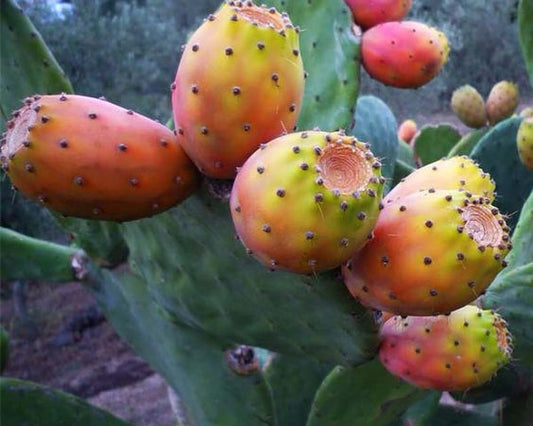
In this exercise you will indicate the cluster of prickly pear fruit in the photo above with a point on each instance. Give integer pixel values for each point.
(303, 202)
(89, 158)
(470, 107)
(239, 84)
(446, 352)
(307, 201)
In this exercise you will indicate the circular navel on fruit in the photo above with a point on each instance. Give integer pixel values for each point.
(483, 225)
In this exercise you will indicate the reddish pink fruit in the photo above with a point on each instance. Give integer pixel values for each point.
(403, 54)
(449, 353)
(369, 13)
(432, 252)
(407, 131)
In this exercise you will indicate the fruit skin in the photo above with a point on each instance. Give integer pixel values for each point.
(407, 130)
(456, 173)
(369, 13)
(307, 201)
(431, 252)
(404, 54)
(526, 112)
(469, 106)
(524, 142)
(222, 113)
(448, 353)
(502, 101)
(86, 157)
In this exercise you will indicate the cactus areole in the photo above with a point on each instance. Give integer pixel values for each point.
(89, 158)
(307, 201)
(239, 84)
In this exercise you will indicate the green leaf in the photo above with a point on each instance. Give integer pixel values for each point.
(366, 395)
(26, 258)
(434, 142)
(497, 154)
(27, 67)
(525, 30)
(375, 123)
(330, 53)
(192, 362)
(27, 403)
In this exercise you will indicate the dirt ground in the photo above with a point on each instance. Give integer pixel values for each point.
(62, 340)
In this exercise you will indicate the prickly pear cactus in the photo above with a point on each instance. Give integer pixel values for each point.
(245, 343)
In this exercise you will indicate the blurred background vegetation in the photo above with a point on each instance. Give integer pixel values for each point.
(128, 50)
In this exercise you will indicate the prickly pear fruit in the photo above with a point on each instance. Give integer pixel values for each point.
(524, 141)
(469, 106)
(449, 353)
(502, 101)
(239, 84)
(459, 173)
(369, 13)
(407, 131)
(403, 54)
(526, 112)
(306, 202)
(432, 252)
(89, 158)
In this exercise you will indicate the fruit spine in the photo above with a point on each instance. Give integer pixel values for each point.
(89, 158)
(432, 252)
(305, 202)
(223, 113)
(449, 353)
(403, 54)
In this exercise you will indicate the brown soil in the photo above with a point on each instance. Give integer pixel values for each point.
(65, 342)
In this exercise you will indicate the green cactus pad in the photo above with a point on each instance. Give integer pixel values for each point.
(382, 397)
(525, 29)
(102, 241)
(406, 154)
(294, 381)
(497, 155)
(401, 170)
(512, 295)
(375, 123)
(467, 143)
(4, 348)
(27, 66)
(518, 411)
(193, 363)
(49, 261)
(27, 403)
(199, 273)
(522, 238)
(330, 54)
(434, 142)
(446, 415)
